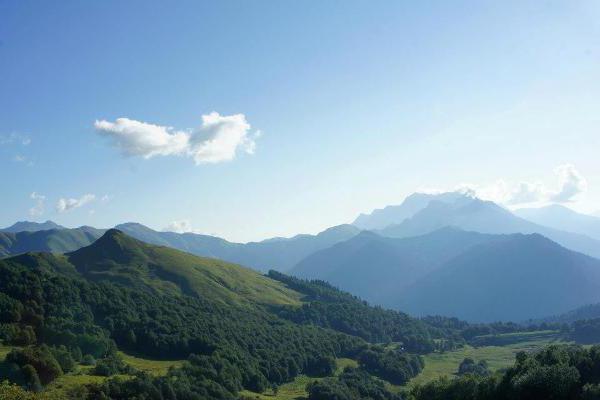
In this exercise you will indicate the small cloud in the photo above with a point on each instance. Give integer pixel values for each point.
(106, 198)
(571, 183)
(19, 158)
(218, 139)
(67, 204)
(38, 208)
(182, 226)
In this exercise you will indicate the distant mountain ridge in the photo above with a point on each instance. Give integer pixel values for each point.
(477, 215)
(517, 278)
(52, 240)
(390, 215)
(375, 267)
(472, 276)
(560, 217)
(28, 226)
(279, 254)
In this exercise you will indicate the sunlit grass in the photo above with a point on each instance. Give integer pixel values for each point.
(296, 390)
(497, 357)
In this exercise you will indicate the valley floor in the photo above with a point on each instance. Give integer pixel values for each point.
(436, 364)
(497, 357)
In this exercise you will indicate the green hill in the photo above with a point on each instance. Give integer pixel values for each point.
(120, 258)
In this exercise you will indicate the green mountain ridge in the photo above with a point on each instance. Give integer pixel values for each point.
(278, 253)
(52, 240)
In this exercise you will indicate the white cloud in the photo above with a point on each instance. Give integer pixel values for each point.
(182, 226)
(67, 204)
(38, 208)
(526, 192)
(571, 183)
(218, 139)
(19, 158)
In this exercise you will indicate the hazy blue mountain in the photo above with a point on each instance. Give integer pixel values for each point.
(381, 218)
(377, 268)
(53, 240)
(563, 218)
(589, 311)
(28, 226)
(485, 217)
(515, 278)
(278, 253)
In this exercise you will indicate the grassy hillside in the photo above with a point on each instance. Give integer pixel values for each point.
(277, 253)
(119, 258)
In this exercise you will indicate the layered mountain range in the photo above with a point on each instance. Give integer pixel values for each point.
(449, 254)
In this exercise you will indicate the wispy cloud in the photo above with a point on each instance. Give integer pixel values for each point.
(15, 137)
(67, 204)
(38, 208)
(218, 139)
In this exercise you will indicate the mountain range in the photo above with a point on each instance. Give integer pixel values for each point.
(477, 215)
(280, 253)
(57, 240)
(417, 256)
(28, 226)
(472, 276)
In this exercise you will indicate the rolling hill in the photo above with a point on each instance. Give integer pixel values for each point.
(119, 258)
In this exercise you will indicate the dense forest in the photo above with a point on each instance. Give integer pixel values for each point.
(557, 372)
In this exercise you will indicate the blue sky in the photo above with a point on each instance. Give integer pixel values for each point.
(358, 104)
